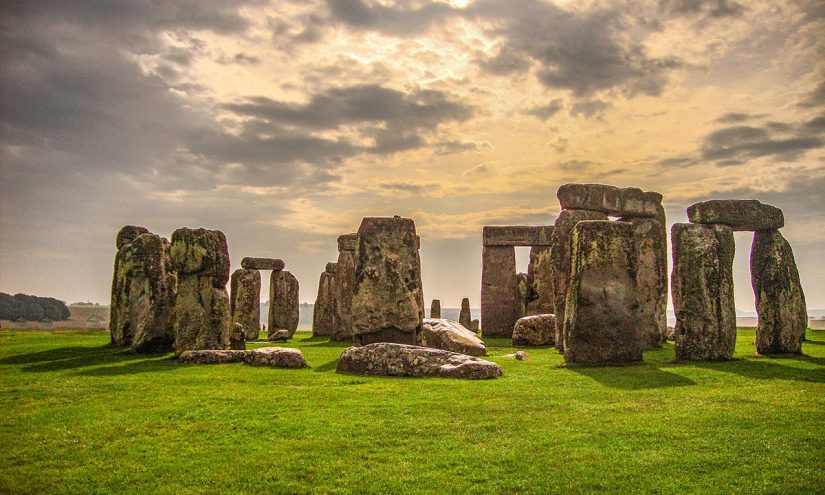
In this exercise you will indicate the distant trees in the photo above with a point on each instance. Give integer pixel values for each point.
(32, 308)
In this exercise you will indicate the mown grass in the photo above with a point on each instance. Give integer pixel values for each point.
(82, 417)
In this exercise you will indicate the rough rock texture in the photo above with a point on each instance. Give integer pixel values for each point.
(516, 236)
(128, 234)
(499, 291)
(601, 323)
(344, 287)
(245, 290)
(535, 330)
(610, 200)
(323, 316)
(464, 316)
(237, 339)
(388, 300)
(283, 302)
(262, 264)
(738, 214)
(651, 277)
(561, 249)
(450, 335)
(525, 292)
(540, 271)
(670, 334)
(276, 357)
(202, 310)
(435, 309)
(518, 356)
(388, 359)
(143, 292)
(702, 288)
(780, 302)
(278, 335)
(475, 326)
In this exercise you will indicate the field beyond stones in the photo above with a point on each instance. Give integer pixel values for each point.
(82, 417)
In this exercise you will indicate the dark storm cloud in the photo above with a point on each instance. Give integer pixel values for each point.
(395, 120)
(707, 8)
(589, 108)
(737, 117)
(401, 19)
(738, 144)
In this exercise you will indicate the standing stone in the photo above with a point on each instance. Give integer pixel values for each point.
(475, 326)
(143, 292)
(344, 287)
(602, 316)
(780, 302)
(535, 330)
(202, 310)
(702, 288)
(651, 278)
(237, 340)
(245, 290)
(388, 301)
(128, 234)
(738, 214)
(435, 309)
(561, 248)
(323, 317)
(499, 291)
(464, 317)
(525, 291)
(541, 276)
(283, 303)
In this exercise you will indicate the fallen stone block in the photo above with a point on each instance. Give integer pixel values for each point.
(535, 330)
(388, 359)
(450, 335)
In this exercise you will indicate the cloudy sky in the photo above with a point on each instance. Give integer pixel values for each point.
(283, 123)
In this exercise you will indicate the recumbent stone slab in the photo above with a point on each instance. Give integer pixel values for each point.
(516, 235)
(738, 214)
(275, 357)
(610, 200)
(601, 320)
(780, 302)
(262, 264)
(702, 288)
(449, 335)
(535, 330)
(389, 359)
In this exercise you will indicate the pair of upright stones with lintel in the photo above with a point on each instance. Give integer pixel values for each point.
(702, 281)
(609, 278)
(374, 292)
(170, 296)
(283, 298)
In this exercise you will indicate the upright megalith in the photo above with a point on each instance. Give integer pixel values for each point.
(283, 303)
(702, 288)
(245, 290)
(344, 287)
(202, 310)
(601, 322)
(780, 302)
(651, 277)
(435, 309)
(323, 317)
(499, 291)
(738, 214)
(561, 248)
(143, 292)
(464, 316)
(540, 272)
(524, 285)
(388, 300)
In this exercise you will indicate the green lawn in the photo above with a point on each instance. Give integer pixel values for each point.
(81, 417)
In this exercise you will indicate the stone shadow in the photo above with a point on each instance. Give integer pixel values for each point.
(69, 358)
(330, 366)
(149, 365)
(767, 368)
(639, 376)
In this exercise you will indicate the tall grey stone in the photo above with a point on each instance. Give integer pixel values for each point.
(702, 288)
(283, 303)
(525, 291)
(499, 291)
(323, 317)
(344, 287)
(245, 290)
(143, 292)
(388, 300)
(601, 322)
(464, 316)
(435, 309)
(202, 317)
(561, 249)
(540, 272)
(780, 302)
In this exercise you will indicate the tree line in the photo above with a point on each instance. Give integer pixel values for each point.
(32, 308)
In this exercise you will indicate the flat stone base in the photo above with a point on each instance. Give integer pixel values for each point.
(386, 359)
(275, 357)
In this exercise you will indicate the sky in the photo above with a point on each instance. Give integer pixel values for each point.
(283, 123)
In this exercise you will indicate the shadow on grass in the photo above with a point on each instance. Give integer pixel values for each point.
(767, 369)
(330, 366)
(632, 377)
(69, 358)
(149, 365)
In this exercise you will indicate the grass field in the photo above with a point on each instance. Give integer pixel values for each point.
(81, 417)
